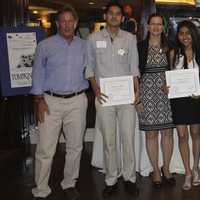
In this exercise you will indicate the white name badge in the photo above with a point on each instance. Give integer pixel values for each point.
(121, 52)
(101, 44)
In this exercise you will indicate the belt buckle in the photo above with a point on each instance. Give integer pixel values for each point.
(50, 93)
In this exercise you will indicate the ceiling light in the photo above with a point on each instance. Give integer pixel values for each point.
(35, 12)
(186, 2)
(91, 3)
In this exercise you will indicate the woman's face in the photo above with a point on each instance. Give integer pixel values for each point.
(184, 36)
(155, 26)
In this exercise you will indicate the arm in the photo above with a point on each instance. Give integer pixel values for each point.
(38, 78)
(134, 63)
(170, 60)
(96, 89)
(136, 90)
(40, 108)
(89, 72)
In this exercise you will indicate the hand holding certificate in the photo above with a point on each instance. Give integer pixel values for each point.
(183, 83)
(119, 90)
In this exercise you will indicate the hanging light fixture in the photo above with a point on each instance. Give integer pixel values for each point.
(180, 2)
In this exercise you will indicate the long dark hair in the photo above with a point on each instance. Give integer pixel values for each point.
(164, 42)
(180, 50)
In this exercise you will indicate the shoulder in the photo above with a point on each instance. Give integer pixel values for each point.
(142, 45)
(80, 41)
(48, 41)
(128, 37)
(127, 34)
(96, 35)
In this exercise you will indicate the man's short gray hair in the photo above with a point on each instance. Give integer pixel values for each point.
(67, 8)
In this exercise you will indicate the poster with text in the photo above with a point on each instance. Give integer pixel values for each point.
(21, 50)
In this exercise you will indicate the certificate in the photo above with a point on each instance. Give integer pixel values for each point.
(183, 83)
(119, 90)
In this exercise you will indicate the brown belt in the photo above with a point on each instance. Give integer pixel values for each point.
(65, 96)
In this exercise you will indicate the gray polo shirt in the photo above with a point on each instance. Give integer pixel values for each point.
(106, 58)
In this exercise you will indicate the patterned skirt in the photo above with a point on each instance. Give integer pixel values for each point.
(156, 113)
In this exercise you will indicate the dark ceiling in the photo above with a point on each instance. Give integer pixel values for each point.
(86, 11)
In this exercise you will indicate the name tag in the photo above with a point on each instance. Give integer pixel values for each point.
(101, 44)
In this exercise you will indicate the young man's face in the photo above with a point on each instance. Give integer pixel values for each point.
(113, 16)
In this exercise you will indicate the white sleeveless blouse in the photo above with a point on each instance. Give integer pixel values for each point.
(192, 64)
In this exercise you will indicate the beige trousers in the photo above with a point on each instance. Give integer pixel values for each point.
(108, 117)
(69, 115)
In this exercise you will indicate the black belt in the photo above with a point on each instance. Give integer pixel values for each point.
(65, 96)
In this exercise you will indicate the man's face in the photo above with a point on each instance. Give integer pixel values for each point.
(113, 16)
(66, 24)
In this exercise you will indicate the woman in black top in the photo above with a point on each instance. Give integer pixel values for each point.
(154, 110)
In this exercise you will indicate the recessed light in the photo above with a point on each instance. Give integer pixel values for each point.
(91, 3)
(35, 12)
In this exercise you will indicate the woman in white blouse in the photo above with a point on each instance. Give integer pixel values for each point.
(186, 111)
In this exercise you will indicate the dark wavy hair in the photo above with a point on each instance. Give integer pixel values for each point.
(164, 42)
(115, 4)
(180, 50)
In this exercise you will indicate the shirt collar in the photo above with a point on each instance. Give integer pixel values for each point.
(107, 34)
(61, 38)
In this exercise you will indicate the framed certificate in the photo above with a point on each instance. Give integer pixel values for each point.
(183, 83)
(119, 90)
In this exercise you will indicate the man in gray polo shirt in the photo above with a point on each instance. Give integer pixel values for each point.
(113, 52)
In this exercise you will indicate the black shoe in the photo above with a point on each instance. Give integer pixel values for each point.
(71, 194)
(131, 188)
(169, 180)
(39, 198)
(109, 190)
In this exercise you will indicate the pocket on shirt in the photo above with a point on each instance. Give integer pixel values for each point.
(123, 59)
(100, 53)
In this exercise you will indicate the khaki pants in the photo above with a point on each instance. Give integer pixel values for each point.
(69, 115)
(108, 117)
